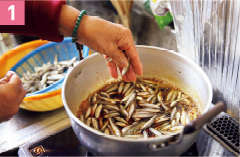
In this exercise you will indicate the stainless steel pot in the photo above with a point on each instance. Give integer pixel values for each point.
(91, 73)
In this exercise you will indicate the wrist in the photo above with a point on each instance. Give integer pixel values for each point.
(83, 27)
(67, 20)
(76, 27)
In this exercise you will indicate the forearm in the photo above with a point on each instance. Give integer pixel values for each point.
(67, 19)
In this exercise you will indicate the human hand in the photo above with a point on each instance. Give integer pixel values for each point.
(106, 38)
(110, 40)
(11, 95)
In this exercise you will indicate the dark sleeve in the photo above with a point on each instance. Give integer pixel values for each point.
(41, 19)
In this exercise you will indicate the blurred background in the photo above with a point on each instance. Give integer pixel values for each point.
(138, 18)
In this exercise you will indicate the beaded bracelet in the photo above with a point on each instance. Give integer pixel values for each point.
(83, 12)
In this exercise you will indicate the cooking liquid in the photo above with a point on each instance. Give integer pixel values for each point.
(189, 106)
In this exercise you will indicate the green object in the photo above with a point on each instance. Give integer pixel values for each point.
(83, 12)
(163, 21)
(147, 7)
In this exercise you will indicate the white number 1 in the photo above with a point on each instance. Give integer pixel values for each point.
(12, 11)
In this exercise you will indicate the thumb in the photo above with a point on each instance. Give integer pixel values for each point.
(14, 79)
(119, 58)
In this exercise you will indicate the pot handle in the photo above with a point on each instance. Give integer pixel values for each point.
(191, 127)
(203, 119)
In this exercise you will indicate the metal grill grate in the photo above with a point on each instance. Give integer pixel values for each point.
(227, 129)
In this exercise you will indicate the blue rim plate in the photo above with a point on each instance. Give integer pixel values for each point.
(58, 84)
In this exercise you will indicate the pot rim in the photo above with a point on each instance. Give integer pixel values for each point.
(156, 139)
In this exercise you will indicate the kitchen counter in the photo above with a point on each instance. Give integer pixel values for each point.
(26, 126)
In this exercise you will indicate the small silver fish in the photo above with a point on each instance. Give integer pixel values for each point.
(109, 59)
(161, 120)
(111, 107)
(95, 123)
(150, 98)
(106, 131)
(115, 129)
(110, 130)
(56, 77)
(121, 124)
(89, 121)
(123, 111)
(162, 126)
(166, 127)
(126, 88)
(183, 117)
(148, 123)
(125, 99)
(120, 119)
(173, 103)
(88, 112)
(104, 94)
(126, 128)
(155, 132)
(131, 109)
(115, 87)
(111, 115)
(151, 90)
(145, 134)
(130, 89)
(55, 60)
(130, 100)
(125, 69)
(177, 128)
(139, 98)
(173, 123)
(173, 113)
(143, 87)
(149, 105)
(94, 98)
(136, 128)
(178, 115)
(169, 96)
(136, 119)
(143, 114)
(148, 110)
(143, 93)
(104, 126)
(120, 88)
(98, 110)
(93, 110)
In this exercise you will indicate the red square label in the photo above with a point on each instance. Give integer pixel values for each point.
(12, 12)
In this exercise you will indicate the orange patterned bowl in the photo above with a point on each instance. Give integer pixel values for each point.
(41, 102)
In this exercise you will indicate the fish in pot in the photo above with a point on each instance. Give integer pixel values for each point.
(157, 63)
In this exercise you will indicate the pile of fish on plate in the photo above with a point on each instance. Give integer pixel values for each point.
(46, 75)
(138, 110)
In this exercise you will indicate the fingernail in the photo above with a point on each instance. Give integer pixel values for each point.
(123, 63)
(9, 75)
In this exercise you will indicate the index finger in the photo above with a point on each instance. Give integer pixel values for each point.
(112, 67)
(135, 60)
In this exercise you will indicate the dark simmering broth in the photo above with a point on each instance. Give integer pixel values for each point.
(142, 109)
